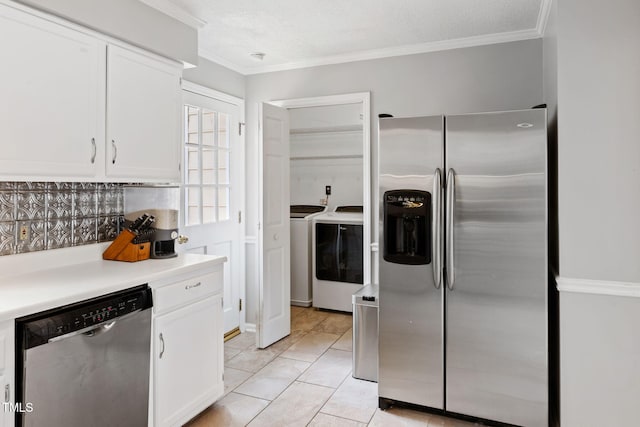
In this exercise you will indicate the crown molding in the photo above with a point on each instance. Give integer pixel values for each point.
(177, 12)
(598, 287)
(413, 49)
(543, 16)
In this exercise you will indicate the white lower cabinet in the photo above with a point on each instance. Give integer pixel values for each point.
(7, 396)
(188, 352)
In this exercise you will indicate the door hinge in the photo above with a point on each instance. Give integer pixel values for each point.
(240, 305)
(240, 125)
(258, 226)
(239, 217)
(7, 393)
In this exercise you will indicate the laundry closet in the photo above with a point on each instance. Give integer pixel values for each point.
(326, 198)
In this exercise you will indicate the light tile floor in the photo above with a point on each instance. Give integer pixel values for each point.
(303, 380)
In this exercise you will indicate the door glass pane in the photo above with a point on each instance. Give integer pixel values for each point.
(223, 130)
(207, 136)
(192, 202)
(223, 166)
(208, 127)
(208, 166)
(191, 121)
(192, 171)
(208, 204)
(223, 203)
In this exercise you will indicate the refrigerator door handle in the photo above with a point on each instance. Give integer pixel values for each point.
(436, 232)
(451, 201)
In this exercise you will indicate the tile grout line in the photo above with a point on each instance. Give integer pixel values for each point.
(280, 354)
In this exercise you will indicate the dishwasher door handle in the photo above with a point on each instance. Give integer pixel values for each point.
(99, 330)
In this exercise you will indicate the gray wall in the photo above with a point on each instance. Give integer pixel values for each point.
(600, 360)
(486, 78)
(215, 76)
(598, 133)
(130, 21)
(598, 90)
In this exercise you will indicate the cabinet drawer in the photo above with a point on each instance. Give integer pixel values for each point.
(187, 291)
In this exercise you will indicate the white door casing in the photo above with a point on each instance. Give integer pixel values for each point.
(225, 236)
(274, 317)
(369, 228)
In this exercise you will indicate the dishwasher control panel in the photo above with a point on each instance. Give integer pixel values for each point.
(82, 317)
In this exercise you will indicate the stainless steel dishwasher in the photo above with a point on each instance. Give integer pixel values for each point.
(86, 363)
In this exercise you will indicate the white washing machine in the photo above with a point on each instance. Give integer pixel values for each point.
(337, 258)
(301, 217)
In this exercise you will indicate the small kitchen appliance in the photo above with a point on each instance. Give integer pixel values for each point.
(163, 233)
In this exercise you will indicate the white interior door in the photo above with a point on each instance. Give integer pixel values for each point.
(273, 242)
(213, 193)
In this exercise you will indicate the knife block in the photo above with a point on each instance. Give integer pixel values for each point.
(134, 252)
(122, 248)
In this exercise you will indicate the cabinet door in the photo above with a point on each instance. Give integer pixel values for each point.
(143, 117)
(7, 374)
(51, 99)
(188, 361)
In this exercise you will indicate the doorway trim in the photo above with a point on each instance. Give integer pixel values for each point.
(350, 98)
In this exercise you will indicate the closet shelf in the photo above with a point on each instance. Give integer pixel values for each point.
(335, 157)
(328, 129)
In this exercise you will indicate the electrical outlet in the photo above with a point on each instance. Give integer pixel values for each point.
(23, 232)
(327, 190)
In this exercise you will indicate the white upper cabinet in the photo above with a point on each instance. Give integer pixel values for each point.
(78, 106)
(51, 99)
(143, 116)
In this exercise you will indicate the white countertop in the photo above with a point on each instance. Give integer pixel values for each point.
(30, 283)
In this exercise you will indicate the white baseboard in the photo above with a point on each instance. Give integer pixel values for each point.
(598, 287)
(249, 327)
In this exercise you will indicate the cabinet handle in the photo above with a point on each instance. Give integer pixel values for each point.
(94, 148)
(193, 286)
(162, 341)
(7, 393)
(114, 149)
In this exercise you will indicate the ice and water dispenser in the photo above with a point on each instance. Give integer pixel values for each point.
(407, 227)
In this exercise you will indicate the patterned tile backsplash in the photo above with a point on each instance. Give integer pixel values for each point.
(36, 216)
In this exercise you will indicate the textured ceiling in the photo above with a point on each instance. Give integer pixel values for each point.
(297, 33)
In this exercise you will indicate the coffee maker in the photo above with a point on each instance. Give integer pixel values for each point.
(162, 234)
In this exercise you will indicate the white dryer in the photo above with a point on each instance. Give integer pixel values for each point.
(337, 258)
(300, 217)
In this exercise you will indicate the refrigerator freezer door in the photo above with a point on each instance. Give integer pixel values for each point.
(411, 303)
(496, 359)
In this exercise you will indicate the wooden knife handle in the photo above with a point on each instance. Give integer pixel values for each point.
(119, 244)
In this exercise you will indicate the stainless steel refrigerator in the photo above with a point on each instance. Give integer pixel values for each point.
(463, 265)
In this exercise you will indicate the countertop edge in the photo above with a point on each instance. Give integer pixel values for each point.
(30, 294)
